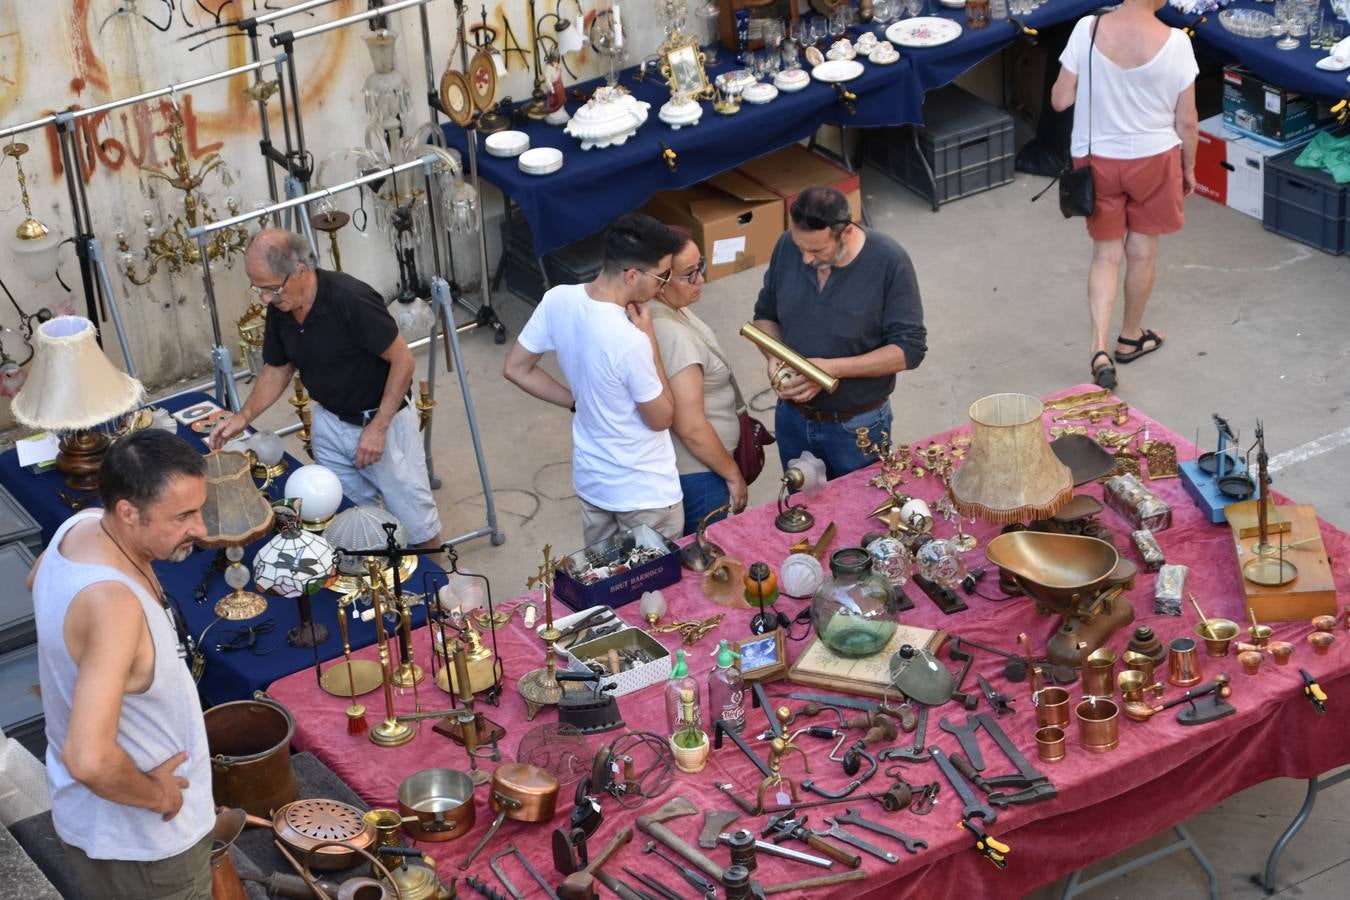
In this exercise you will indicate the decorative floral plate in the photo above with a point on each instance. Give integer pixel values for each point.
(924, 31)
(836, 70)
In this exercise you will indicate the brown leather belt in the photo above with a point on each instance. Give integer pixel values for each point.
(843, 415)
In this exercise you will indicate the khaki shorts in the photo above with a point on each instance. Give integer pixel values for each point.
(1144, 196)
(186, 876)
(598, 524)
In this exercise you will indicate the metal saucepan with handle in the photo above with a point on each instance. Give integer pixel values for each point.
(304, 824)
(440, 801)
(522, 792)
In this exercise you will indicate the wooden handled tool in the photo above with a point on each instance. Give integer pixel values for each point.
(581, 885)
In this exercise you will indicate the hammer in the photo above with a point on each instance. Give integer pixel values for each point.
(653, 824)
(581, 885)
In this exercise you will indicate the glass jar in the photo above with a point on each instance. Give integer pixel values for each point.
(854, 609)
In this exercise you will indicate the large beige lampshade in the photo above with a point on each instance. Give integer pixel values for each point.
(1010, 474)
(71, 384)
(236, 512)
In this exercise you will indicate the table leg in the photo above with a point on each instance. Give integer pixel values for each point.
(1076, 886)
(928, 170)
(1309, 801)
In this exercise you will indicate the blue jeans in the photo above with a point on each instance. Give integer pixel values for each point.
(703, 491)
(835, 443)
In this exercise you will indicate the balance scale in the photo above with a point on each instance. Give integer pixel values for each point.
(1218, 478)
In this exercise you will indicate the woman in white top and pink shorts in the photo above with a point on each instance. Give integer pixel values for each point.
(1143, 132)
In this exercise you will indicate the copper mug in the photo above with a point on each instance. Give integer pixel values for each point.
(1052, 707)
(1099, 673)
(1183, 662)
(1098, 724)
(1050, 743)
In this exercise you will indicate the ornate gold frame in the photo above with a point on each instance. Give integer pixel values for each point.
(682, 43)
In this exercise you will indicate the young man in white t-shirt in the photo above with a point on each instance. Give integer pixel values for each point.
(623, 462)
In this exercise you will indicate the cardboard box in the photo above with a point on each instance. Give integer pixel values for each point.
(1247, 175)
(1265, 111)
(734, 220)
(1211, 160)
(787, 171)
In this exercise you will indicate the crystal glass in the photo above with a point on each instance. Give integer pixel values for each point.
(712, 39)
(939, 561)
(839, 21)
(891, 558)
(773, 32)
(820, 29)
(854, 609)
(913, 7)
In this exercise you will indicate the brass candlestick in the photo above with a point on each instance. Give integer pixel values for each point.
(300, 403)
(408, 673)
(424, 405)
(540, 686)
(390, 732)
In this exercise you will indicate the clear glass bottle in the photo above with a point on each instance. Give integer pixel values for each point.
(726, 689)
(854, 610)
(680, 681)
(688, 733)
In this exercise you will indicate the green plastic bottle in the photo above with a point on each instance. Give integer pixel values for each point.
(680, 680)
(726, 689)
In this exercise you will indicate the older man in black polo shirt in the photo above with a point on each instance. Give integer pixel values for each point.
(846, 298)
(336, 331)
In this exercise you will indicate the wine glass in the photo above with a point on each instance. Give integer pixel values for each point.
(839, 22)
(913, 7)
(772, 29)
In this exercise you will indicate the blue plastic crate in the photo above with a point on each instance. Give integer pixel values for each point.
(1305, 204)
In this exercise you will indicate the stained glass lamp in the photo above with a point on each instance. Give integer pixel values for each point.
(297, 564)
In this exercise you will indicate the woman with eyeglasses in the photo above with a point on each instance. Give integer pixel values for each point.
(706, 428)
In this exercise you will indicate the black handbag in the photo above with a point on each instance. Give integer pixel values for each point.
(1077, 196)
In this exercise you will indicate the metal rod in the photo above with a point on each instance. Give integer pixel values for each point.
(263, 123)
(100, 266)
(171, 89)
(279, 39)
(290, 10)
(43, 122)
(377, 175)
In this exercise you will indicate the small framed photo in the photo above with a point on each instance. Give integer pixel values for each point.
(763, 658)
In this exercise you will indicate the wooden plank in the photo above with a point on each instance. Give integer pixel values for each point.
(818, 666)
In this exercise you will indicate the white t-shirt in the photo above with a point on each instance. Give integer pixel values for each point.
(1133, 110)
(618, 463)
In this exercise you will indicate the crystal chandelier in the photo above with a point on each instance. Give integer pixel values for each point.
(387, 95)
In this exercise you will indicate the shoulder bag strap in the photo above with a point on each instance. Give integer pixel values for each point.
(1091, 44)
(731, 373)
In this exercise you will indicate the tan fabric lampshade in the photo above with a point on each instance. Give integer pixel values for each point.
(71, 384)
(1010, 474)
(236, 513)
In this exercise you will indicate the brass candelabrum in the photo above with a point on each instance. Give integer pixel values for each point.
(171, 247)
(300, 403)
(424, 405)
(391, 732)
(540, 687)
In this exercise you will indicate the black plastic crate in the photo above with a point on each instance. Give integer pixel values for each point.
(1305, 204)
(575, 263)
(968, 144)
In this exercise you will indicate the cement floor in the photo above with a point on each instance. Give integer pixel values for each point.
(1255, 327)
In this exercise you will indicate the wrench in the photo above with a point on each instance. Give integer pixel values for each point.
(848, 837)
(965, 734)
(915, 752)
(974, 808)
(851, 816)
(1025, 769)
(968, 699)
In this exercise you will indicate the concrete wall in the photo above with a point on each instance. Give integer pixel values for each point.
(86, 52)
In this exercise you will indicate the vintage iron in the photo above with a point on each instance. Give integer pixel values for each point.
(590, 711)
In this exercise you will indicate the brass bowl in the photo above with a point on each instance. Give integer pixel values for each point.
(1058, 570)
(1218, 634)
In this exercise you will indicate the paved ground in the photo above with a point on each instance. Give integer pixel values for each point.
(1256, 327)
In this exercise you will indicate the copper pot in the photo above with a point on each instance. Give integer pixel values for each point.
(306, 824)
(250, 746)
(522, 792)
(441, 801)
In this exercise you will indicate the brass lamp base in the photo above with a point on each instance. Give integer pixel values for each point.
(391, 733)
(365, 674)
(81, 454)
(407, 675)
(794, 519)
(239, 605)
(540, 688)
(494, 120)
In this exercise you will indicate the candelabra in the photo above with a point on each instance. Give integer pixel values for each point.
(171, 246)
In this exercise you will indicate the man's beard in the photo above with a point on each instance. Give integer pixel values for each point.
(182, 552)
(838, 258)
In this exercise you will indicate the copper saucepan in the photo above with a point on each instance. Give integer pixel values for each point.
(521, 792)
(304, 824)
(441, 803)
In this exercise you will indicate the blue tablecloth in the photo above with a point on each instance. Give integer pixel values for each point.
(1295, 70)
(229, 675)
(596, 186)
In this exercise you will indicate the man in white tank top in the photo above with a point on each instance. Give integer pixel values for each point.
(127, 759)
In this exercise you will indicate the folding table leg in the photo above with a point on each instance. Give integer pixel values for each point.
(1076, 886)
(1309, 801)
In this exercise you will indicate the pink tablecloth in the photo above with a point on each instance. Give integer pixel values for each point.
(1161, 774)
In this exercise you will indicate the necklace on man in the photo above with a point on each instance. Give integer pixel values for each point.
(165, 601)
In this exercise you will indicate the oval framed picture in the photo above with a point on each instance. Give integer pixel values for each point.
(482, 80)
(455, 98)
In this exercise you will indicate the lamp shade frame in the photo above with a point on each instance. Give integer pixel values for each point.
(236, 513)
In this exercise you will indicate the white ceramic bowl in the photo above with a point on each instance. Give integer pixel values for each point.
(759, 93)
(507, 143)
(540, 161)
(790, 80)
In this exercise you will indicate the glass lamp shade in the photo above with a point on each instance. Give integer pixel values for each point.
(387, 95)
(652, 605)
(414, 318)
(35, 249)
(362, 528)
(570, 35)
(267, 447)
(295, 563)
(236, 513)
(940, 561)
(813, 473)
(317, 489)
(462, 593)
(71, 384)
(1010, 473)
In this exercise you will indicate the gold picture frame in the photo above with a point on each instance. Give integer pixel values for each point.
(763, 657)
(682, 65)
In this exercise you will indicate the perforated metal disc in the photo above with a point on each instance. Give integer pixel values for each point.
(324, 820)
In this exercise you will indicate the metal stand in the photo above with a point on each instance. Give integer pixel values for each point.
(1075, 886)
(1315, 785)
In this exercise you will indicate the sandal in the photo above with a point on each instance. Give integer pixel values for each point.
(1138, 345)
(1103, 376)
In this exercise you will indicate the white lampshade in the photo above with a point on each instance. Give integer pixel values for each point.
(652, 603)
(35, 249)
(462, 592)
(267, 447)
(361, 528)
(72, 384)
(295, 563)
(317, 489)
(569, 36)
(414, 318)
(813, 473)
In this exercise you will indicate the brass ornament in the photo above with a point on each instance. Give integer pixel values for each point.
(482, 79)
(456, 99)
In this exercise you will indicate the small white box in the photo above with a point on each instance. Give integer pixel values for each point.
(1247, 178)
(636, 678)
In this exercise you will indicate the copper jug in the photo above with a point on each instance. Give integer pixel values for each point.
(225, 881)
